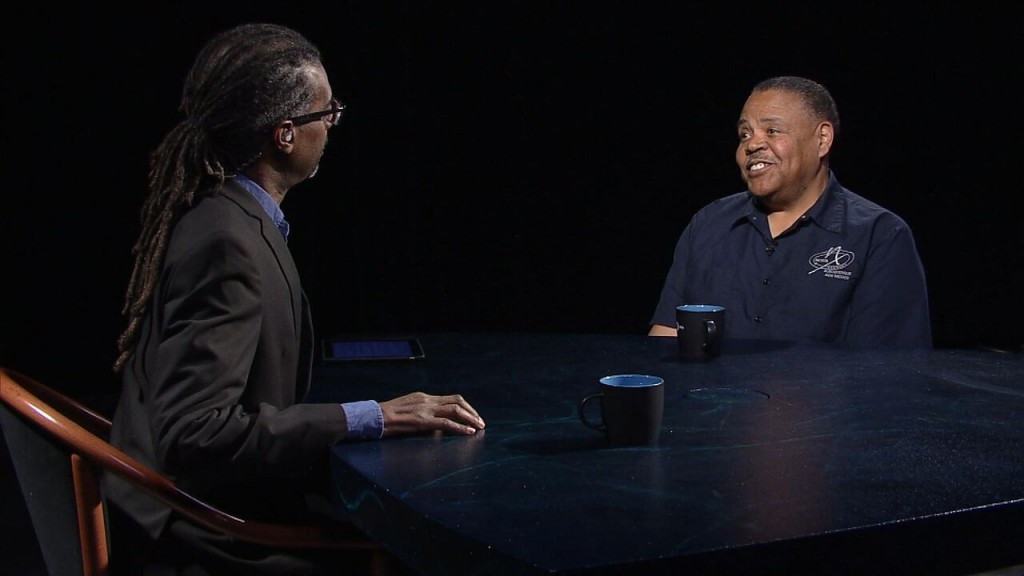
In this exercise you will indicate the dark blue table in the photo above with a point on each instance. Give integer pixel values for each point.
(774, 458)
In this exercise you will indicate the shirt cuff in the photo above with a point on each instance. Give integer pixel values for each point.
(365, 419)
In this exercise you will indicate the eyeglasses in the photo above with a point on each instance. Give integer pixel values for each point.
(331, 116)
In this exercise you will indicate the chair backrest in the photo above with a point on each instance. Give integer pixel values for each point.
(60, 488)
(58, 446)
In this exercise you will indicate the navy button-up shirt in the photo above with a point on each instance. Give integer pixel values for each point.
(846, 272)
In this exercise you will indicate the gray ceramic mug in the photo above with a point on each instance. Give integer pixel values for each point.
(699, 331)
(632, 406)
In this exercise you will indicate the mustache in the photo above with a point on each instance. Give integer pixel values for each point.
(751, 160)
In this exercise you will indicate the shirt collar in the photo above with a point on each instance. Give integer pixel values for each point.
(266, 202)
(828, 211)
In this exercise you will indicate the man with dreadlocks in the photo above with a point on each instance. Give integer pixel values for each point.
(218, 347)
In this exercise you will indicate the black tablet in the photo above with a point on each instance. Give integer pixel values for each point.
(372, 349)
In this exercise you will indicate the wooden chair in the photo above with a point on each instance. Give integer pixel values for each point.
(58, 447)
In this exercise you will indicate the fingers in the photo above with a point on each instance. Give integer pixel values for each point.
(464, 414)
(454, 414)
(419, 412)
(464, 410)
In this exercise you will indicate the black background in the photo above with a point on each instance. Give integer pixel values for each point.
(508, 166)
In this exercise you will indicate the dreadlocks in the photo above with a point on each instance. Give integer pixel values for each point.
(243, 82)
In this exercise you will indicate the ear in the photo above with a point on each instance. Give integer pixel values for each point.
(826, 136)
(284, 136)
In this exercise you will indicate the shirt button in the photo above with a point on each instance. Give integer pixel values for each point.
(765, 281)
(757, 319)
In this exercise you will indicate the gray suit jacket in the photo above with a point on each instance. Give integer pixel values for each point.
(212, 394)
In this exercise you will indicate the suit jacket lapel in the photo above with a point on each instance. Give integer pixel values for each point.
(301, 315)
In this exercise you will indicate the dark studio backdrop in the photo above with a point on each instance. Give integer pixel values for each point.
(508, 166)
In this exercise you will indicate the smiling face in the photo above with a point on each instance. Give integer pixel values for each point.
(783, 149)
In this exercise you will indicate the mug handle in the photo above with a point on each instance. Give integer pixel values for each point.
(583, 416)
(709, 331)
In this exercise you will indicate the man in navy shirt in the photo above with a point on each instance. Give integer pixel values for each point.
(797, 256)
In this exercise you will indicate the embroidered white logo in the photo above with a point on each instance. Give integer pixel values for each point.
(831, 262)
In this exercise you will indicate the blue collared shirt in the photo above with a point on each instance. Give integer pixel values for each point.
(365, 418)
(269, 206)
(847, 272)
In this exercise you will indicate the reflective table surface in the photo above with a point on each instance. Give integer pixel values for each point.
(774, 458)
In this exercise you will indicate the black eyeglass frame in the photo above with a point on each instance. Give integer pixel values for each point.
(332, 116)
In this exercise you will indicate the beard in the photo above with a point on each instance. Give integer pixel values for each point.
(317, 167)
